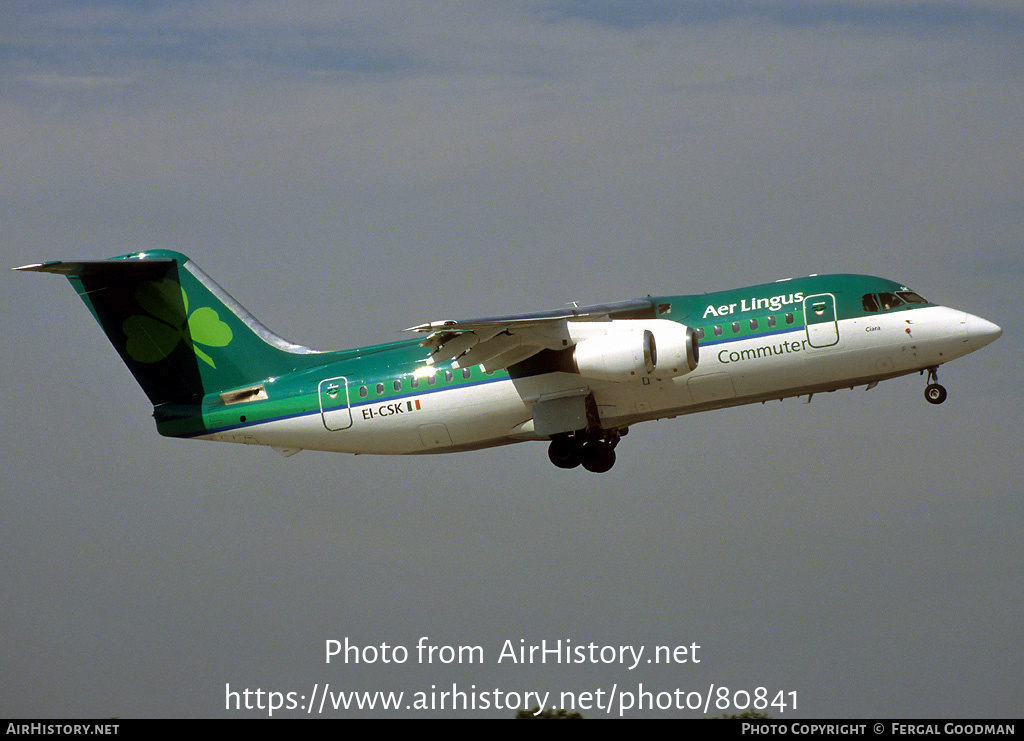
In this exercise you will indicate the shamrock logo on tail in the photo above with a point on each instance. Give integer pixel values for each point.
(154, 337)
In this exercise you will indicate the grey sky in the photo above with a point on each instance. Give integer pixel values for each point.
(349, 171)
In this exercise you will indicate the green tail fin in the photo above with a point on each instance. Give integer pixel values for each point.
(181, 335)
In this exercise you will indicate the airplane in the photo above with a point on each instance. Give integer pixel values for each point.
(577, 377)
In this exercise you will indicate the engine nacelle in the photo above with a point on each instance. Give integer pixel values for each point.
(655, 347)
(677, 351)
(623, 356)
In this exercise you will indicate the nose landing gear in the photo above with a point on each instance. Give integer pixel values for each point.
(933, 392)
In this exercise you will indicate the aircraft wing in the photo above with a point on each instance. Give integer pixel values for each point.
(500, 341)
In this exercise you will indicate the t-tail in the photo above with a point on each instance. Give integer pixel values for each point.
(181, 335)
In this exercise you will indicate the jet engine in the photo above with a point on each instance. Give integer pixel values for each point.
(637, 348)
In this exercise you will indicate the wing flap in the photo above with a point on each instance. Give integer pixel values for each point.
(490, 349)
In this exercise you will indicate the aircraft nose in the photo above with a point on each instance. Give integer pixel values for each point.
(980, 331)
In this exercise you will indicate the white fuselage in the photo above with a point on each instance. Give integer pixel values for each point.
(857, 351)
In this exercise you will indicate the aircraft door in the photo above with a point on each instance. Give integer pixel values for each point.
(820, 320)
(334, 403)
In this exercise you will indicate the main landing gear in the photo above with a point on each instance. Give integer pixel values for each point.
(933, 392)
(595, 451)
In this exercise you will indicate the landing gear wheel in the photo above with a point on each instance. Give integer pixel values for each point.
(597, 456)
(563, 453)
(935, 393)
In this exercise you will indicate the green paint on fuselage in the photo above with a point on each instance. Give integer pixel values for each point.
(724, 308)
(375, 369)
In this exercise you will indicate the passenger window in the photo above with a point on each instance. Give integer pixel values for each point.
(380, 389)
(718, 330)
(771, 321)
(753, 324)
(789, 318)
(869, 302)
(431, 379)
(700, 334)
(363, 392)
(465, 373)
(414, 382)
(398, 384)
(448, 376)
(890, 301)
(735, 327)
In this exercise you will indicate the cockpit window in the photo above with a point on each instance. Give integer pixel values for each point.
(910, 297)
(890, 301)
(870, 302)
